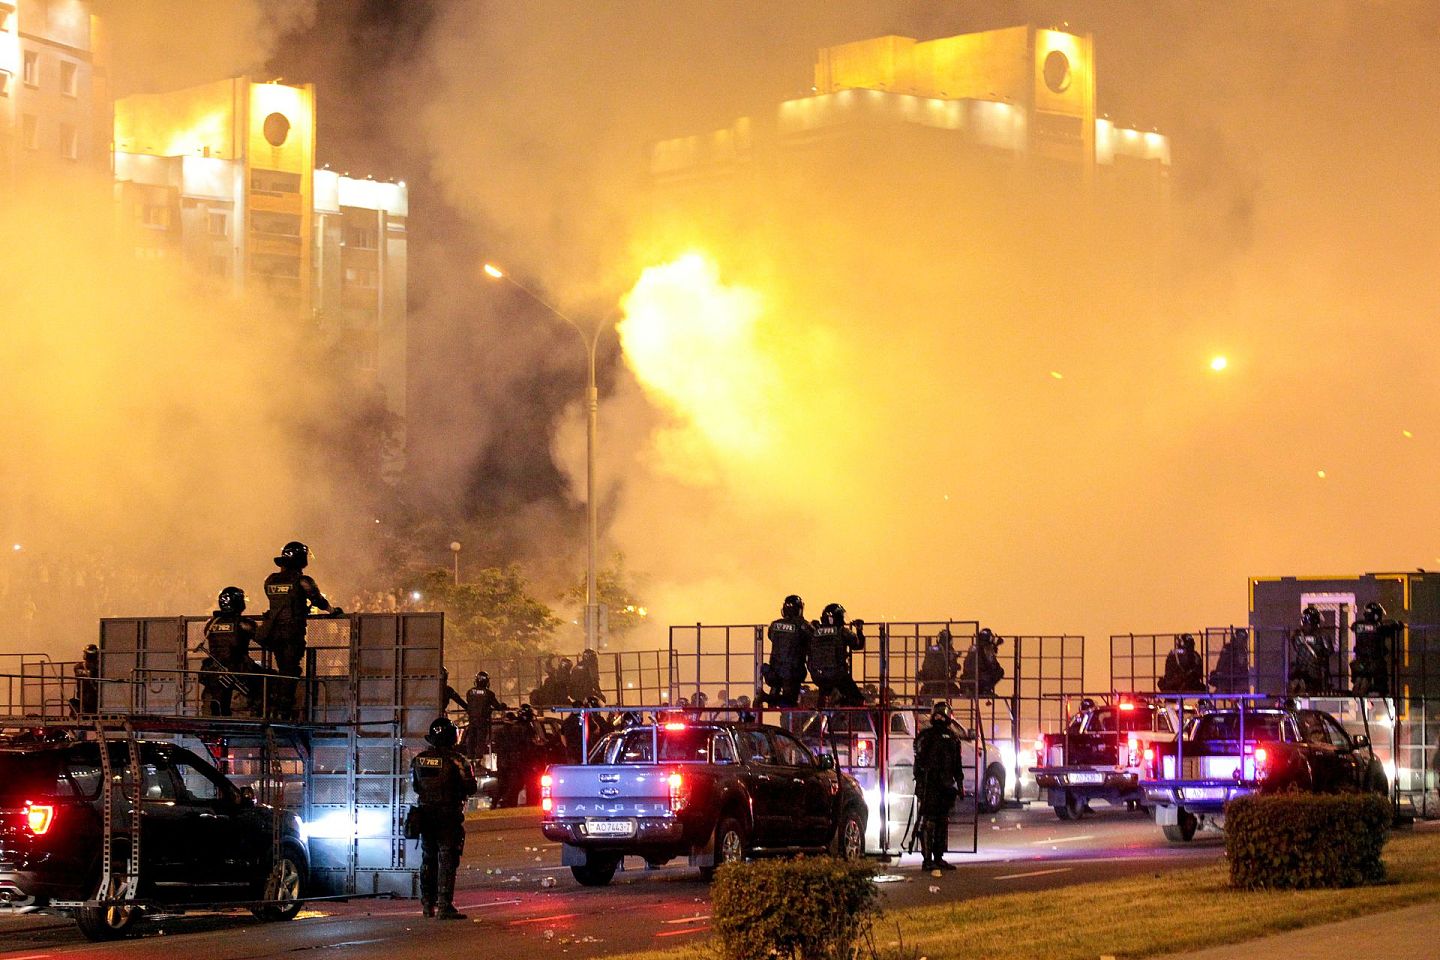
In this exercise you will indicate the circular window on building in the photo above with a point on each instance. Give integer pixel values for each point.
(277, 127)
(1057, 71)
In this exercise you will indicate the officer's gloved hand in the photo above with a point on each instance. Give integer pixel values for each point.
(336, 612)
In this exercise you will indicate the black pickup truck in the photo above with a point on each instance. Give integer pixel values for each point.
(716, 792)
(1229, 753)
(1101, 753)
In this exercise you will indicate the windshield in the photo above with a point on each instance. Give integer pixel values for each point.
(690, 745)
(1226, 726)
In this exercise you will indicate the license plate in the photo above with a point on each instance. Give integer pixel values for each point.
(1204, 793)
(1086, 778)
(609, 828)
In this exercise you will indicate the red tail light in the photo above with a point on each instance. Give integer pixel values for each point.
(1040, 751)
(1126, 705)
(677, 791)
(1262, 756)
(1149, 757)
(673, 725)
(547, 803)
(39, 817)
(1133, 747)
(862, 752)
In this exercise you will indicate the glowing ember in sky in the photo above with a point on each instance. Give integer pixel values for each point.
(1219, 363)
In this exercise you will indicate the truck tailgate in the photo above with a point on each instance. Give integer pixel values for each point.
(623, 790)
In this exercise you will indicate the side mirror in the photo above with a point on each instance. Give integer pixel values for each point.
(1360, 741)
(247, 797)
(827, 762)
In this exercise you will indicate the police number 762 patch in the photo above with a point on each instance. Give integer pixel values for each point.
(429, 761)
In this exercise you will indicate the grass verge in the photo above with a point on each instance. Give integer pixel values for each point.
(1141, 916)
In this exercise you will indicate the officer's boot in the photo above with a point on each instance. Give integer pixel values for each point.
(941, 841)
(445, 896)
(427, 883)
(927, 862)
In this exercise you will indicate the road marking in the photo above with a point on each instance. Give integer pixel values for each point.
(696, 919)
(1034, 873)
(682, 931)
(491, 903)
(29, 956)
(558, 916)
(1088, 836)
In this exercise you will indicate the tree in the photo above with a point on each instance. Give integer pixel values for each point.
(491, 613)
(618, 597)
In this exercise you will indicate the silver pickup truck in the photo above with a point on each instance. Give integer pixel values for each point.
(713, 791)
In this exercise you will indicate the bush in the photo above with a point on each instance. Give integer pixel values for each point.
(809, 909)
(1295, 841)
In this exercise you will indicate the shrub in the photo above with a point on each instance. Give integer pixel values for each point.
(1295, 841)
(809, 909)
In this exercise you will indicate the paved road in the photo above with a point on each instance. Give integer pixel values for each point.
(512, 912)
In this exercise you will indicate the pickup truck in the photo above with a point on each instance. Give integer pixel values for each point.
(1233, 752)
(1100, 754)
(713, 791)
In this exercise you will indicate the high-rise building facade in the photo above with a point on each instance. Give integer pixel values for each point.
(223, 176)
(54, 91)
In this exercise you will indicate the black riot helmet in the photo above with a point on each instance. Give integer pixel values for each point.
(232, 600)
(833, 614)
(527, 712)
(1184, 642)
(566, 665)
(482, 680)
(442, 733)
(1374, 612)
(1310, 617)
(792, 607)
(91, 650)
(293, 556)
(940, 714)
(986, 635)
(1240, 634)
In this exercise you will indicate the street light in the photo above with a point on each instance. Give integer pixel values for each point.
(455, 549)
(592, 405)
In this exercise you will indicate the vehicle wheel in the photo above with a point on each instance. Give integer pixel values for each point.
(849, 842)
(596, 872)
(992, 789)
(107, 923)
(286, 885)
(1184, 830)
(1072, 809)
(1378, 783)
(729, 845)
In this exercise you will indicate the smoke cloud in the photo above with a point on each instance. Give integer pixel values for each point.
(925, 396)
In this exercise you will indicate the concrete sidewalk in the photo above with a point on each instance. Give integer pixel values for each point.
(1412, 933)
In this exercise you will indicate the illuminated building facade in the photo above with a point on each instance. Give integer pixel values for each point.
(963, 127)
(54, 90)
(223, 177)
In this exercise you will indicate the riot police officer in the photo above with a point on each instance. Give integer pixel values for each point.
(1374, 639)
(480, 706)
(228, 634)
(938, 666)
(86, 702)
(939, 780)
(982, 664)
(790, 638)
(829, 657)
(449, 694)
(1232, 666)
(585, 678)
(1184, 670)
(1310, 652)
(442, 780)
(291, 594)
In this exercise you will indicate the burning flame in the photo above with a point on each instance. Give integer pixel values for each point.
(695, 344)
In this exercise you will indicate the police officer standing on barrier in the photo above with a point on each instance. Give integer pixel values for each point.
(442, 780)
(1232, 666)
(1184, 670)
(790, 638)
(829, 658)
(291, 594)
(1374, 638)
(480, 706)
(1309, 655)
(939, 780)
(228, 633)
(982, 664)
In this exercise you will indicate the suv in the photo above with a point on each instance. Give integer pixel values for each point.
(202, 840)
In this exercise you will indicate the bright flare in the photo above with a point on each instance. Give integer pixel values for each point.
(694, 344)
(494, 272)
(1218, 364)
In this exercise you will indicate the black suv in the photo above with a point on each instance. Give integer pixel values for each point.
(202, 840)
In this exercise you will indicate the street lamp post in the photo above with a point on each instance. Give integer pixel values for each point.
(592, 412)
(455, 549)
